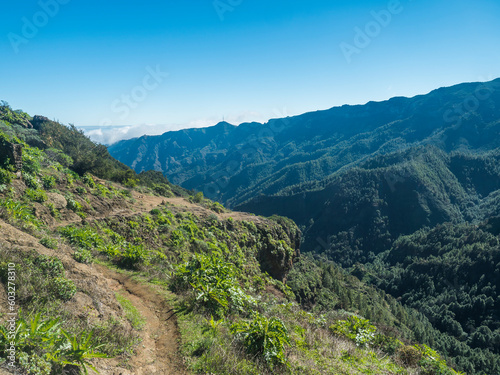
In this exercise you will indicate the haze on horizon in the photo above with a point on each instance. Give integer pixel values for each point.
(119, 67)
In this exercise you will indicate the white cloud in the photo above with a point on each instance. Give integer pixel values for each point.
(111, 134)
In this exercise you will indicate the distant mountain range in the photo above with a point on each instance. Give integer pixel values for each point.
(234, 164)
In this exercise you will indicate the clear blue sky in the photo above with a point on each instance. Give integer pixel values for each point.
(261, 59)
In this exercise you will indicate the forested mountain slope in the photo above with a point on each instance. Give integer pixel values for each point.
(234, 164)
(359, 212)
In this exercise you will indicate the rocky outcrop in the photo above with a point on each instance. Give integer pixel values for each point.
(13, 153)
(57, 200)
(37, 121)
(279, 247)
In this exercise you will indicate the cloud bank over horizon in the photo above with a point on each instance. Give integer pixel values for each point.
(110, 134)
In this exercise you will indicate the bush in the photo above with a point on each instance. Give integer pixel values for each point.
(19, 212)
(73, 204)
(5, 177)
(387, 344)
(59, 157)
(263, 336)
(44, 348)
(83, 256)
(88, 180)
(130, 182)
(37, 195)
(134, 255)
(53, 210)
(81, 190)
(48, 182)
(214, 282)
(32, 159)
(63, 288)
(357, 329)
(198, 198)
(409, 355)
(49, 242)
(50, 266)
(31, 181)
(163, 190)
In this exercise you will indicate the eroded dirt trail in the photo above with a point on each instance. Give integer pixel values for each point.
(158, 351)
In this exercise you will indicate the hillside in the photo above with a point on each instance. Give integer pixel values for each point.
(145, 278)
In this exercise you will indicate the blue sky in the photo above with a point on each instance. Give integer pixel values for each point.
(162, 65)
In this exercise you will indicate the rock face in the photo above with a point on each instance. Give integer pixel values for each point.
(13, 153)
(38, 120)
(280, 245)
(57, 200)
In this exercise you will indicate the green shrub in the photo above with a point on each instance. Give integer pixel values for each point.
(31, 181)
(387, 344)
(32, 159)
(357, 329)
(155, 212)
(85, 237)
(19, 213)
(37, 195)
(88, 180)
(59, 157)
(126, 193)
(163, 190)
(63, 288)
(102, 191)
(130, 182)
(431, 362)
(83, 256)
(49, 242)
(44, 348)
(48, 182)
(73, 204)
(33, 364)
(53, 210)
(50, 266)
(134, 255)
(81, 190)
(214, 283)
(265, 337)
(198, 198)
(5, 177)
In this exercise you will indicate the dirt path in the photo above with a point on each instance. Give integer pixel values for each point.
(158, 351)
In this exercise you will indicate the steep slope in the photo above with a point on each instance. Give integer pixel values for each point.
(235, 164)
